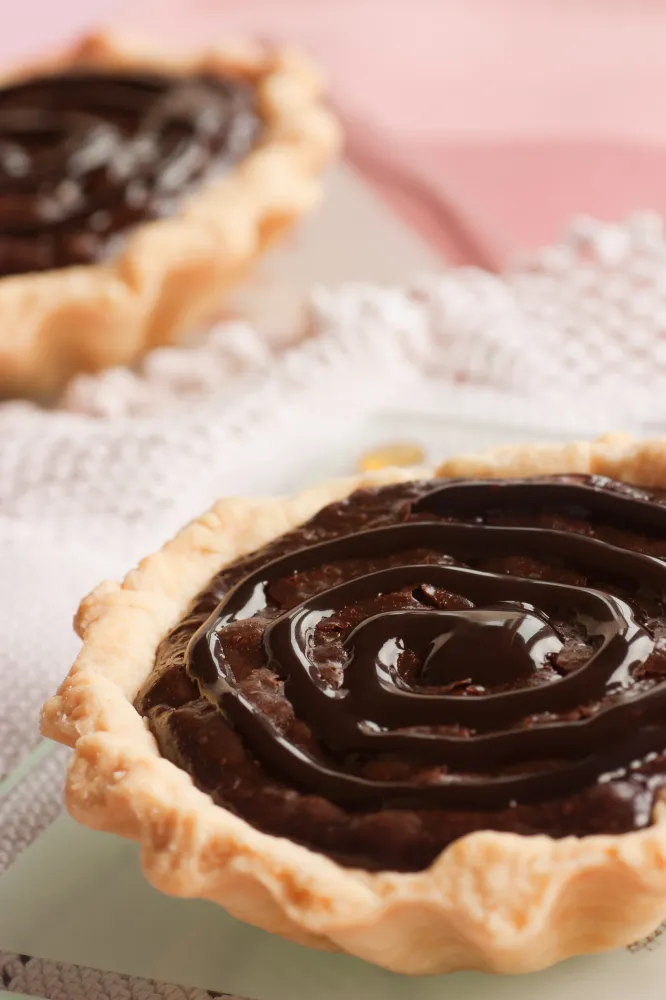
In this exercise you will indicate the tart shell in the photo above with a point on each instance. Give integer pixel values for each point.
(171, 275)
(492, 901)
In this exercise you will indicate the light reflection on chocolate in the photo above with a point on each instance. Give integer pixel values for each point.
(505, 637)
(85, 156)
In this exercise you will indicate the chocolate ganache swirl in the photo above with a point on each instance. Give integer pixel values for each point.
(428, 659)
(84, 156)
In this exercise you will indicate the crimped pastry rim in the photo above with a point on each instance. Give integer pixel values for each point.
(494, 901)
(92, 316)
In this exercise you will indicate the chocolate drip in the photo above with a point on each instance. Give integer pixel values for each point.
(85, 156)
(519, 743)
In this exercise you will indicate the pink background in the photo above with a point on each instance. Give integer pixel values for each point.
(488, 122)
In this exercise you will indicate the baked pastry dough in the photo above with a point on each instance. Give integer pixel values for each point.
(563, 546)
(143, 235)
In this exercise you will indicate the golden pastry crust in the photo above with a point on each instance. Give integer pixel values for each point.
(494, 901)
(171, 275)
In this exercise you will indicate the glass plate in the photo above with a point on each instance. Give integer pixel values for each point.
(80, 897)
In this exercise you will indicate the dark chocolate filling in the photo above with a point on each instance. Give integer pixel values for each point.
(85, 156)
(425, 660)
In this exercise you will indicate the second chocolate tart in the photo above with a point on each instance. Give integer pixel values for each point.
(137, 186)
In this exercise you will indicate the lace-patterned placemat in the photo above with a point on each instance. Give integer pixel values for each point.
(35, 977)
(573, 337)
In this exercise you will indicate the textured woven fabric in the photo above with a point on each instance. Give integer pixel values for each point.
(36, 977)
(585, 318)
(573, 337)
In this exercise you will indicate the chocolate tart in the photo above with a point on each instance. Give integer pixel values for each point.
(136, 188)
(416, 716)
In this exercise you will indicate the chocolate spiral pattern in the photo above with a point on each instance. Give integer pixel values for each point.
(474, 710)
(85, 156)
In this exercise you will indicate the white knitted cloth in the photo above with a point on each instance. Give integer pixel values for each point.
(573, 337)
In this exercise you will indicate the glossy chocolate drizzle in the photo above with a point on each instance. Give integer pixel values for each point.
(472, 709)
(85, 156)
